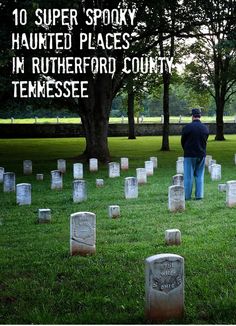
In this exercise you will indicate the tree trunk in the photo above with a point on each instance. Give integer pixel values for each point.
(219, 119)
(165, 130)
(131, 114)
(94, 113)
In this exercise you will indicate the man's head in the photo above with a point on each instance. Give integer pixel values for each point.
(196, 114)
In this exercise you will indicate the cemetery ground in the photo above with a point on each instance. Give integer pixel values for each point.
(40, 283)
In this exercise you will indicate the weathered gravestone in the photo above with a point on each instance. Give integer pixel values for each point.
(215, 172)
(79, 191)
(149, 168)
(178, 180)
(176, 198)
(164, 287)
(154, 161)
(131, 188)
(211, 162)
(44, 215)
(39, 176)
(99, 183)
(78, 171)
(56, 180)
(27, 167)
(12, 120)
(114, 169)
(93, 165)
(207, 160)
(61, 165)
(141, 175)
(222, 187)
(9, 181)
(124, 163)
(231, 193)
(114, 211)
(23, 194)
(2, 170)
(180, 166)
(173, 237)
(82, 233)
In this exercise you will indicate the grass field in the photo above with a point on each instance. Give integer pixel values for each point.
(41, 283)
(114, 120)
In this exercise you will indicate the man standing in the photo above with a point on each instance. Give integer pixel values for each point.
(194, 140)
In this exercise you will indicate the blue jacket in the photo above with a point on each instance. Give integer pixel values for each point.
(194, 139)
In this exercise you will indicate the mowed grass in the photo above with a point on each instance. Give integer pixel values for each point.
(41, 283)
(173, 119)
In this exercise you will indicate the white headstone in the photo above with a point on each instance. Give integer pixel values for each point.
(122, 119)
(93, 165)
(12, 120)
(222, 187)
(231, 193)
(79, 191)
(180, 167)
(211, 162)
(44, 215)
(39, 176)
(124, 163)
(9, 181)
(78, 171)
(27, 167)
(23, 194)
(114, 169)
(82, 233)
(215, 172)
(149, 168)
(173, 237)
(61, 165)
(207, 160)
(178, 180)
(141, 175)
(154, 161)
(176, 198)
(131, 187)
(56, 179)
(162, 118)
(114, 211)
(2, 170)
(164, 287)
(180, 158)
(180, 119)
(99, 183)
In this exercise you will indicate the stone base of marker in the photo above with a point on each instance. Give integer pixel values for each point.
(99, 183)
(164, 287)
(114, 211)
(173, 237)
(222, 187)
(82, 233)
(44, 215)
(39, 177)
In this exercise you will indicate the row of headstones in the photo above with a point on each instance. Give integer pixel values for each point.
(164, 273)
(213, 168)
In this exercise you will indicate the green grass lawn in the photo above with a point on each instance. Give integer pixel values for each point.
(40, 283)
(114, 120)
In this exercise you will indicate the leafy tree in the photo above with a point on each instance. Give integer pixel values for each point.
(214, 66)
